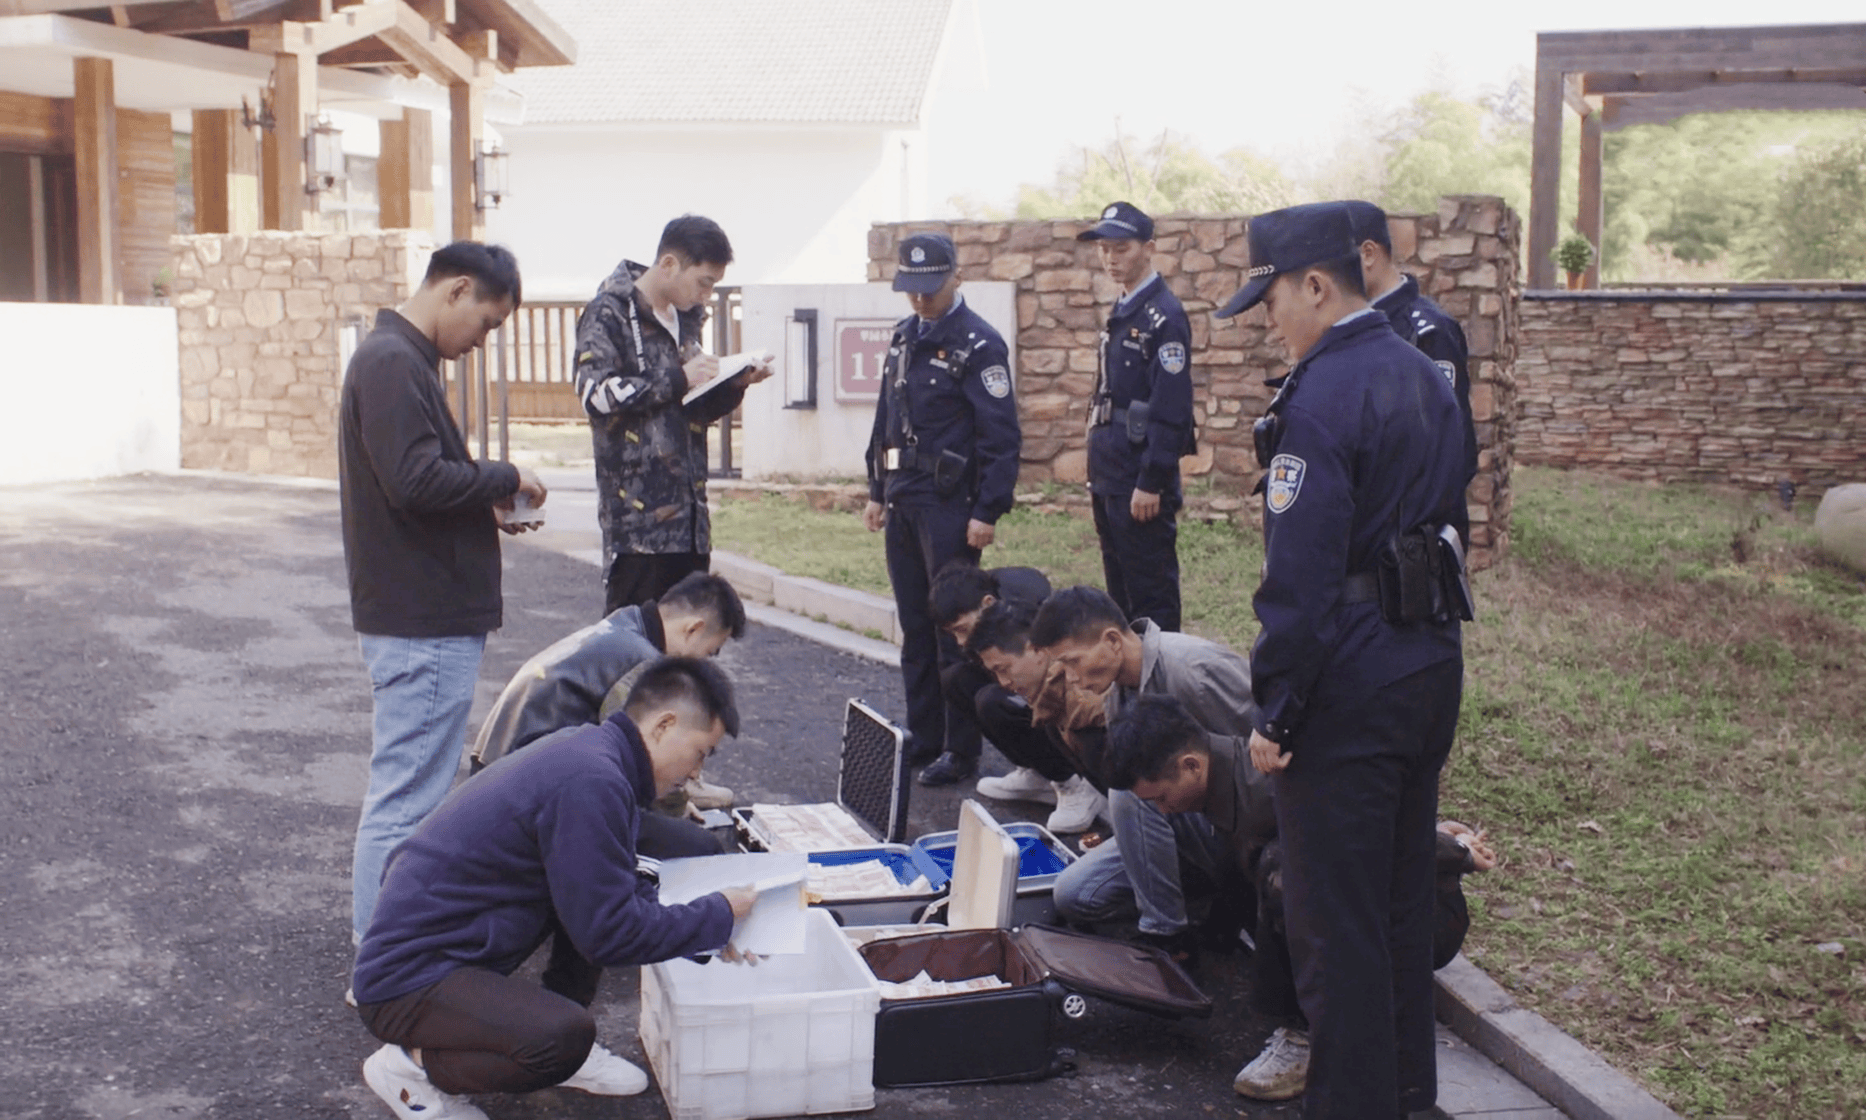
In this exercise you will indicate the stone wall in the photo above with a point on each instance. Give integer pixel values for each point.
(1465, 255)
(1748, 389)
(259, 317)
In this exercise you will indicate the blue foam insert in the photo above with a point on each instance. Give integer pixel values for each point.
(906, 869)
(1034, 857)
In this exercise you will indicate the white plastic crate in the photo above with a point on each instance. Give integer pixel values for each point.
(791, 1035)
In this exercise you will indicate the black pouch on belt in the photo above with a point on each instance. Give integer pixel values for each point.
(1410, 588)
(949, 472)
(1138, 414)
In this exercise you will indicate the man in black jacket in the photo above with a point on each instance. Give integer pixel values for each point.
(420, 540)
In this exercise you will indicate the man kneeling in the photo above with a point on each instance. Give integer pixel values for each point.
(540, 848)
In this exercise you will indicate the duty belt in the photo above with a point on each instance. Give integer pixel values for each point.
(1361, 587)
(1114, 416)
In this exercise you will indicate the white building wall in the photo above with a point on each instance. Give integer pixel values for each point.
(796, 201)
(109, 405)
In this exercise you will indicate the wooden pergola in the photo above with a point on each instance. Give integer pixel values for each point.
(1614, 79)
(462, 45)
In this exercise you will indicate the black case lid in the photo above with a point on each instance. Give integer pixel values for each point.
(1136, 976)
(872, 783)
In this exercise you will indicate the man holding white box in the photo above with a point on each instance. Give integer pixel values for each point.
(542, 840)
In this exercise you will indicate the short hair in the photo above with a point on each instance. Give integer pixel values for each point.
(959, 589)
(1004, 626)
(1147, 736)
(1080, 613)
(695, 240)
(704, 593)
(1345, 271)
(693, 683)
(493, 268)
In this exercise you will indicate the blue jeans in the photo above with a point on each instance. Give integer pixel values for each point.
(1138, 870)
(423, 690)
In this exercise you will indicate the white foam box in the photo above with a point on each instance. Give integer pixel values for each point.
(791, 1035)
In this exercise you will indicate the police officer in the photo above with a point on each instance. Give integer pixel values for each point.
(942, 463)
(1140, 422)
(1357, 678)
(1419, 321)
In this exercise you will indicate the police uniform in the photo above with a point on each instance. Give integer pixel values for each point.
(943, 453)
(1422, 322)
(1140, 422)
(1363, 454)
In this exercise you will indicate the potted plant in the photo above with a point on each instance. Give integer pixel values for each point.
(159, 288)
(1573, 256)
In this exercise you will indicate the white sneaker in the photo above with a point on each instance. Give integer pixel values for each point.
(405, 1088)
(606, 1075)
(1021, 784)
(1280, 1072)
(1077, 805)
(705, 795)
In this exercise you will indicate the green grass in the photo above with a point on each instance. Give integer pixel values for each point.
(1663, 729)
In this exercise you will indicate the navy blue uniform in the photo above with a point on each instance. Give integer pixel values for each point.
(1146, 359)
(1438, 336)
(946, 388)
(1366, 708)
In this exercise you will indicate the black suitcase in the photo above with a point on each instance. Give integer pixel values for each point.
(1006, 1034)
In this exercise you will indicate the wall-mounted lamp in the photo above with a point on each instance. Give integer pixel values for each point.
(323, 156)
(489, 177)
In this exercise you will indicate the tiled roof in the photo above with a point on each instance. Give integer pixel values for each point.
(778, 61)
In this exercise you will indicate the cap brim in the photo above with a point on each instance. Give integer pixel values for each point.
(1109, 231)
(1248, 297)
(920, 283)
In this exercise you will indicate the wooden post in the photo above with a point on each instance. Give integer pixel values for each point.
(1589, 215)
(226, 174)
(405, 175)
(467, 125)
(1545, 177)
(294, 100)
(94, 133)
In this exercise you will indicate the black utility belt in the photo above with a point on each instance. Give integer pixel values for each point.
(1418, 576)
(1133, 418)
(948, 468)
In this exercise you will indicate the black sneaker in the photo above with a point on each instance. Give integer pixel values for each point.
(947, 770)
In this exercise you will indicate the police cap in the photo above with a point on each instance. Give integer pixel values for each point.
(1289, 240)
(926, 260)
(1370, 223)
(1120, 221)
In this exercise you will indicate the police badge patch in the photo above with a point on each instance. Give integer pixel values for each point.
(1173, 357)
(997, 381)
(1450, 371)
(1286, 473)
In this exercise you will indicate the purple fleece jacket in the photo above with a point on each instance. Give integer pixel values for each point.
(549, 829)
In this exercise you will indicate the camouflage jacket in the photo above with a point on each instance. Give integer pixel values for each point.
(650, 449)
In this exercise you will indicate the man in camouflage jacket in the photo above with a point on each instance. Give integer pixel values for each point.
(638, 355)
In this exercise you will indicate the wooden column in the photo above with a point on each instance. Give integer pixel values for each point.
(94, 132)
(1545, 177)
(405, 174)
(226, 174)
(467, 126)
(294, 101)
(1588, 216)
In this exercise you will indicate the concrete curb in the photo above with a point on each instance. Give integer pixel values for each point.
(1567, 1074)
(815, 599)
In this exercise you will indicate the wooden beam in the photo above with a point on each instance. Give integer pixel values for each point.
(95, 121)
(370, 52)
(423, 44)
(1709, 48)
(1576, 100)
(535, 39)
(466, 129)
(405, 173)
(1545, 177)
(1589, 213)
(437, 11)
(343, 27)
(1625, 110)
(216, 15)
(1679, 81)
(294, 102)
(226, 173)
(54, 7)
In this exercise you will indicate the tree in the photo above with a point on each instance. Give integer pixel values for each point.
(1171, 174)
(1820, 213)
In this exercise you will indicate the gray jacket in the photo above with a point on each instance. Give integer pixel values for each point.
(564, 685)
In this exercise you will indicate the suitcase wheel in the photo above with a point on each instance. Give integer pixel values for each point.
(1074, 1006)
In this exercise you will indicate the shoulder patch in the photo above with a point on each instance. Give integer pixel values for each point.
(1450, 371)
(997, 381)
(1173, 357)
(1286, 474)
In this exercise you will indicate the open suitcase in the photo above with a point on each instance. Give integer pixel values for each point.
(1006, 1034)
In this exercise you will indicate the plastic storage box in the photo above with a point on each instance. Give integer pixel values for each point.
(789, 1036)
(1040, 858)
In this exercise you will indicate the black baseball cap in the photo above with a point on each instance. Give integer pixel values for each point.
(1287, 240)
(926, 260)
(1119, 221)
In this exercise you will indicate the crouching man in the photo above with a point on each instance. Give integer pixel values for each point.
(539, 848)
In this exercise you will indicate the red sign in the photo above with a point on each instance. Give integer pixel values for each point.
(861, 354)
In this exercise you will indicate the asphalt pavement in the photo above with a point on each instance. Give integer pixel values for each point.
(186, 735)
